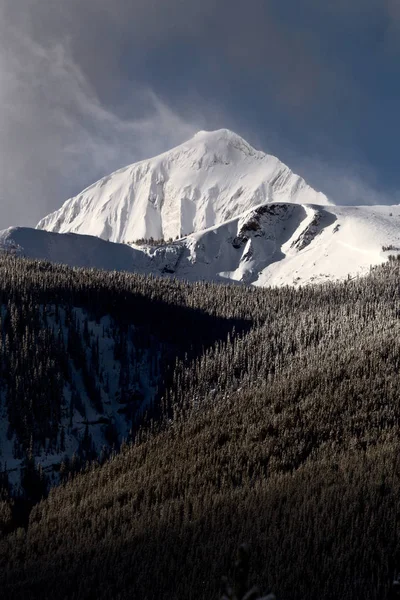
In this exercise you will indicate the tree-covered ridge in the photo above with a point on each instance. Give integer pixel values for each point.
(83, 355)
(284, 433)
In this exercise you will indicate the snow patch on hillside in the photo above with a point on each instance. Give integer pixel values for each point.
(88, 425)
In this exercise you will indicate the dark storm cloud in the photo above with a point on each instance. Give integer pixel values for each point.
(103, 35)
(87, 86)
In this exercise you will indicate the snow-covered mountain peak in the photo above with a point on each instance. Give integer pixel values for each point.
(215, 134)
(213, 177)
(206, 149)
(225, 141)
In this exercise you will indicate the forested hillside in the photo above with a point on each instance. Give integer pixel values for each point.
(84, 356)
(279, 427)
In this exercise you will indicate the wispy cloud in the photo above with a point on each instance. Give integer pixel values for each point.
(55, 134)
(346, 185)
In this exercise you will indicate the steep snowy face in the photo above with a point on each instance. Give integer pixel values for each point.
(210, 179)
(271, 244)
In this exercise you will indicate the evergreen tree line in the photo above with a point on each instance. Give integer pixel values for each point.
(55, 376)
(280, 429)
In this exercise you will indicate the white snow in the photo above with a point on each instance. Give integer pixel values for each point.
(212, 193)
(213, 177)
(72, 250)
(270, 244)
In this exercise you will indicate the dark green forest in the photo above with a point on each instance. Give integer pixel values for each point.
(275, 422)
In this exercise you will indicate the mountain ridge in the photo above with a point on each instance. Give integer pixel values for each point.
(205, 181)
(270, 244)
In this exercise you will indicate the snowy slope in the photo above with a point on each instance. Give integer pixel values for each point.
(271, 244)
(213, 177)
(73, 250)
(293, 245)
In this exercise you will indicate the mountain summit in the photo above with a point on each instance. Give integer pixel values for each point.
(213, 177)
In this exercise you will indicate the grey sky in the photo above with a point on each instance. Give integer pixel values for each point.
(87, 86)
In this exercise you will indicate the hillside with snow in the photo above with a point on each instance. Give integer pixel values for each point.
(206, 181)
(271, 244)
(96, 349)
